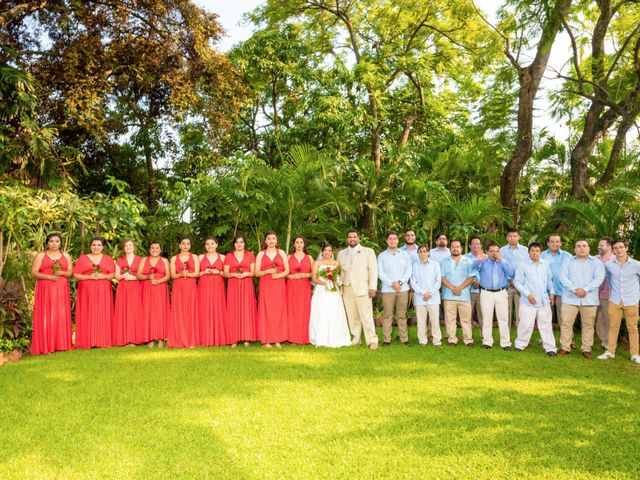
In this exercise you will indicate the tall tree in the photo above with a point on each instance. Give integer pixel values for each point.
(116, 69)
(528, 18)
(397, 55)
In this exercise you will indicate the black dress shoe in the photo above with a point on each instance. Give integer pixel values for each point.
(406, 344)
(551, 354)
(486, 347)
(386, 344)
(519, 350)
(506, 349)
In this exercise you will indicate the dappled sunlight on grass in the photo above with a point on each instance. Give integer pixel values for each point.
(305, 412)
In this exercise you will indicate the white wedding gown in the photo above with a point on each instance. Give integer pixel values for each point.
(328, 322)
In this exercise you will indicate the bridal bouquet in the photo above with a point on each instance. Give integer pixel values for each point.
(330, 277)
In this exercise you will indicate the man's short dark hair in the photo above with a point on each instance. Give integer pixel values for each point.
(580, 240)
(492, 244)
(609, 240)
(475, 237)
(352, 230)
(454, 241)
(534, 245)
(620, 240)
(513, 230)
(391, 232)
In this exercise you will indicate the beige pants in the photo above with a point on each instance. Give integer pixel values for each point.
(451, 309)
(615, 319)
(514, 305)
(490, 302)
(475, 308)
(558, 307)
(587, 319)
(429, 315)
(360, 315)
(602, 322)
(397, 301)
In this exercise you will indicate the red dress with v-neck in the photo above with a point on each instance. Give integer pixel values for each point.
(184, 326)
(242, 316)
(128, 309)
(212, 305)
(272, 302)
(298, 301)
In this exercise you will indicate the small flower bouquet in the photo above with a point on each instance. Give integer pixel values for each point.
(239, 270)
(126, 270)
(152, 272)
(56, 267)
(95, 269)
(330, 277)
(185, 266)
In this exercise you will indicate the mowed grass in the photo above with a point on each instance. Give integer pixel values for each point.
(317, 413)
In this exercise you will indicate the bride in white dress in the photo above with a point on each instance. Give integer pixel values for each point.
(328, 322)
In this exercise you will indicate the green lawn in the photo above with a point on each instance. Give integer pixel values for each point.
(302, 412)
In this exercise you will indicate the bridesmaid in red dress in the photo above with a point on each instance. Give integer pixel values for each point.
(272, 292)
(212, 303)
(128, 311)
(52, 306)
(155, 274)
(239, 268)
(299, 293)
(184, 328)
(94, 297)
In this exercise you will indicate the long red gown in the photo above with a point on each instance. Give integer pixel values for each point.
(94, 304)
(298, 301)
(155, 304)
(51, 311)
(272, 302)
(184, 328)
(128, 310)
(212, 305)
(242, 316)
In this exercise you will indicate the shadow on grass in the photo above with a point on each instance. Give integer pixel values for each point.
(305, 412)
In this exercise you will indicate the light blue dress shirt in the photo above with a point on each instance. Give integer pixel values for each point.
(587, 274)
(438, 255)
(555, 262)
(413, 253)
(457, 274)
(425, 277)
(394, 267)
(493, 274)
(514, 256)
(534, 278)
(624, 281)
(473, 259)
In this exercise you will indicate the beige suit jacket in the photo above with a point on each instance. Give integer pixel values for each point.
(361, 268)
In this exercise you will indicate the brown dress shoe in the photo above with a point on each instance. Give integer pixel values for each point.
(587, 354)
(562, 352)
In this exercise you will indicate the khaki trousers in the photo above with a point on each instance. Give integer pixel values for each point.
(397, 301)
(558, 308)
(451, 309)
(602, 322)
(588, 321)
(428, 314)
(615, 319)
(475, 308)
(514, 305)
(360, 315)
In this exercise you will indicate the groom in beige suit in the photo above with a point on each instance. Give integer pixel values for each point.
(359, 285)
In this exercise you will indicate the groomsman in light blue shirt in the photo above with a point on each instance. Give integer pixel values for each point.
(475, 249)
(533, 281)
(581, 277)
(394, 271)
(514, 254)
(493, 276)
(555, 257)
(426, 282)
(441, 251)
(623, 274)
(457, 277)
(410, 245)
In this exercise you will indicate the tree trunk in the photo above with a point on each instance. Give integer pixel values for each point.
(616, 150)
(595, 126)
(529, 79)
